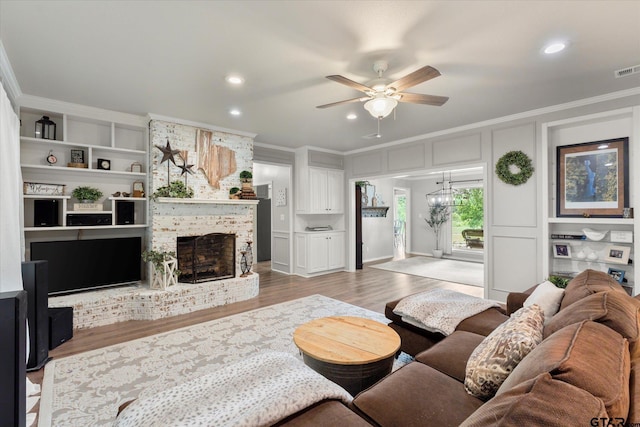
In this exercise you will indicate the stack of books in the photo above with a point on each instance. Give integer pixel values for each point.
(247, 193)
(569, 236)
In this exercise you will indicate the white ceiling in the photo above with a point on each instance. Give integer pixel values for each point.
(171, 58)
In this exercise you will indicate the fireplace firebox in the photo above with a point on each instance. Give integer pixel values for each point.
(206, 258)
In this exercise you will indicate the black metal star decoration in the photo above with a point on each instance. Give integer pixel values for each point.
(168, 153)
(185, 168)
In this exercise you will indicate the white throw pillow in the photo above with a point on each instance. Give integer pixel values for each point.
(548, 296)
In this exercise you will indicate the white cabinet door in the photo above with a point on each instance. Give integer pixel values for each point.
(335, 191)
(335, 256)
(318, 190)
(317, 253)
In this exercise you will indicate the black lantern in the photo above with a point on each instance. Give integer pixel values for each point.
(45, 128)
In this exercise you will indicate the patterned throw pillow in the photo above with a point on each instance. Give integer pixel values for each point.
(501, 351)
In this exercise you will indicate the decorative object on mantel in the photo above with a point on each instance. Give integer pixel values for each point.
(517, 160)
(176, 189)
(216, 162)
(374, 211)
(246, 177)
(438, 215)
(234, 193)
(45, 128)
(137, 189)
(164, 268)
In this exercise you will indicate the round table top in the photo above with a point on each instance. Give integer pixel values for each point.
(346, 340)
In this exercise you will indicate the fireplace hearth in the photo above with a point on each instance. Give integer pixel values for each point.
(206, 258)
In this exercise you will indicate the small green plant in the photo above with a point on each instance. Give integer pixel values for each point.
(176, 189)
(246, 175)
(87, 193)
(156, 258)
(362, 183)
(234, 190)
(560, 282)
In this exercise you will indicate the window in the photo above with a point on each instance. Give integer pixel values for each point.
(467, 220)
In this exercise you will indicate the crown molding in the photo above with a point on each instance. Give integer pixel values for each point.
(7, 77)
(273, 147)
(208, 126)
(527, 114)
(46, 104)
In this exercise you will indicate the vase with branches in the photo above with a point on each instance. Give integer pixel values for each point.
(438, 215)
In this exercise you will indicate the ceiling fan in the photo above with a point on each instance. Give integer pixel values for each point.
(382, 96)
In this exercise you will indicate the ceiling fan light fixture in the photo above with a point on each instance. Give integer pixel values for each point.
(380, 107)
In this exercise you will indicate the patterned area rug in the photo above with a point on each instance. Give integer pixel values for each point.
(86, 389)
(449, 270)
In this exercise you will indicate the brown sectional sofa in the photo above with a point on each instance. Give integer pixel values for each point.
(584, 372)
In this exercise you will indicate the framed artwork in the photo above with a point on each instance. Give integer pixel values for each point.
(618, 275)
(136, 167)
(617, 254)
(561, 250)
(77, 156)
(593, 178)
(281, 197)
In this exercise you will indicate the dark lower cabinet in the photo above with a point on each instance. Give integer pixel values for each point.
(13, 332)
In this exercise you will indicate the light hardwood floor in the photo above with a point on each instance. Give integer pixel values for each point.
(369, 288)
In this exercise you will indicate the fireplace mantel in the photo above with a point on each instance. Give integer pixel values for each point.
(206, 201)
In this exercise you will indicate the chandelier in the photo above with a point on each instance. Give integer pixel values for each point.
(446, 195)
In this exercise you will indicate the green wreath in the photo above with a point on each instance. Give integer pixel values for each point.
(519, 160)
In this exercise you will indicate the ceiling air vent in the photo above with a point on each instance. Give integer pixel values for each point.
(627, 71)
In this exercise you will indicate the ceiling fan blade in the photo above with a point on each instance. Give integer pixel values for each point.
(412, 79)
(347, 101)
(417, 98)
(350, 83)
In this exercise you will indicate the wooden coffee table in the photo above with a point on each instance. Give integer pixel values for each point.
(351, 351)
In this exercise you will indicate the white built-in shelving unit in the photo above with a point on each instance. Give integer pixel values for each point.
(588, 253)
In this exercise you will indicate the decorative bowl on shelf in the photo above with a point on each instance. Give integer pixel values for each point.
(581, 255)
(594, 235)
(592, 256)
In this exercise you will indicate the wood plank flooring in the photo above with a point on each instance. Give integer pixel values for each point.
(369, 288)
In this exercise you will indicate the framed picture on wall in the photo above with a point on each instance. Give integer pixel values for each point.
(562, 250)
(593, 178)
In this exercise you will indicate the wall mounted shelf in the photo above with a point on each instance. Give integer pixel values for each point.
(375, 212)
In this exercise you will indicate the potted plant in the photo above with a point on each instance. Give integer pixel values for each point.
(164, 268)
(438, 215)
(246, 177)
(175, 189)
(234, 193)
(87, 194)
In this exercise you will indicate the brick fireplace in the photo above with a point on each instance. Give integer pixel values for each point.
(209, 213)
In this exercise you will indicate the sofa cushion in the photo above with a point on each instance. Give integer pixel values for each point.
(634, 387)
(327, 413)
(483, 323)
(416, 395)
(535, 403)
(587, 355)
(548, 297)
(450, 355)
(586, 283)
(616, 310)
(501, 351)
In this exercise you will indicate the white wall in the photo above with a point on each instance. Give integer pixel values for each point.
(514, 221)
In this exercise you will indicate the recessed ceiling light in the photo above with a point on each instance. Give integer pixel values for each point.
(235, 112)
(554, 48)
(352, 116)
(234, 79)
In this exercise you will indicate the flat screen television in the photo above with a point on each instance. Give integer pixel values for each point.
(80, 265)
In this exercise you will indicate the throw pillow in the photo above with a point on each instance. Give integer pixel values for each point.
(548, 297)
(501, 351)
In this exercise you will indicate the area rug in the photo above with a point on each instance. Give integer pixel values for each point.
(86, 389)
(466, 273)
